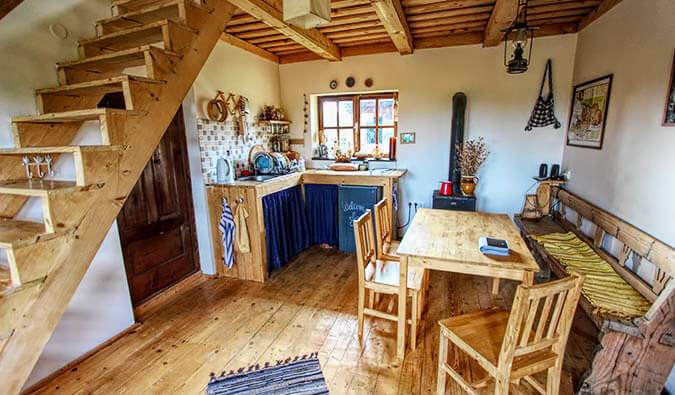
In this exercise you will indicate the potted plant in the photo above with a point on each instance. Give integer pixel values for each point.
(472, 155)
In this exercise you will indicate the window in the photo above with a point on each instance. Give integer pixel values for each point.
(359, 122)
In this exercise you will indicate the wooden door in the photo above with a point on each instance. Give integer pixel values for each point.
(156, 223)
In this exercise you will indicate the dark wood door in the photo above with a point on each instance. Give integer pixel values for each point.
(156, 223)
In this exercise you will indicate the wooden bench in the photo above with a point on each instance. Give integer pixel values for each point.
(634, 355)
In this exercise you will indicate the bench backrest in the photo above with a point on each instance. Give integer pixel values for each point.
(637, 244)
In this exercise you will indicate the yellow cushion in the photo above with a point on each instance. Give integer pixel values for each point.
(604, 288)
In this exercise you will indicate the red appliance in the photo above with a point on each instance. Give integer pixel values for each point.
(446, 188)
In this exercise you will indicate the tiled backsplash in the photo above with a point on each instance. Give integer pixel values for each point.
(216, 138)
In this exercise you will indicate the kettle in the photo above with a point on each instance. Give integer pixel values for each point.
(225, 170)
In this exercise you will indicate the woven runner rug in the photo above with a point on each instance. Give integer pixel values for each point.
(301, 375)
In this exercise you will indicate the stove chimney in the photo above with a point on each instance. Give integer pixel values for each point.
(456, 137)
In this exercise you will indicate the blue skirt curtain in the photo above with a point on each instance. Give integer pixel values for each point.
(285, 226)
(322, 213)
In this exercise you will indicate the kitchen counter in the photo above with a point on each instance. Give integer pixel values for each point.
(253, 265)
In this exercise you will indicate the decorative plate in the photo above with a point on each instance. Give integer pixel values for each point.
(350, 82)
(369, 82)
(333, 84)
(263, 162)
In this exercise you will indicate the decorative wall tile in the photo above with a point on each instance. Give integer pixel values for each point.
(216, 138)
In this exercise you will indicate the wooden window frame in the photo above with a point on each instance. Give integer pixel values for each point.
(356, 128)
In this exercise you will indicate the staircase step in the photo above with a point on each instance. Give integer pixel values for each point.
(158, 63)
(32, 131)
(74, 116)
(93, 163)
(15, 233)
(37, 188)
(183, 11)
(120, 7)
(70, 98)
(63, 202)
(174, 36)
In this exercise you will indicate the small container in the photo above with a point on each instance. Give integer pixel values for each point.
(392, 148)
(446, 188)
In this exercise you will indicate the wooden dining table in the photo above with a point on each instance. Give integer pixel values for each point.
(448, 241)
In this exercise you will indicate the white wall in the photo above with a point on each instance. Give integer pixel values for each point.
(632, 176)
(229, 69)
(30, 54)
(499, 106)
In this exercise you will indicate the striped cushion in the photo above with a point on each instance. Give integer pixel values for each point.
(608, 292)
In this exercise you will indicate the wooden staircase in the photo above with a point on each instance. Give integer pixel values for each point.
(164, 44)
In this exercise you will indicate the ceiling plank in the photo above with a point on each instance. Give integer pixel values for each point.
(502, 17)
(311, 39)
(7, 6)
(596, 13)
(237, 42)
(392, 17)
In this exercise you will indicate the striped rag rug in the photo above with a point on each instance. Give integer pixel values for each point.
(608, 292)
(301, 375)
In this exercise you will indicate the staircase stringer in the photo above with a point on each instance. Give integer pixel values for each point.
(74, 253)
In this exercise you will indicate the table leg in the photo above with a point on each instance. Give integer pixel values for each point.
(495, 286)
(402, 292)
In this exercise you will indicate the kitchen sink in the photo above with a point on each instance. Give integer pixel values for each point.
(258, 178)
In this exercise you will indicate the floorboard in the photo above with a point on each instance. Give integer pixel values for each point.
(308, 306)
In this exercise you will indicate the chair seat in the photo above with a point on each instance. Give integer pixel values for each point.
(388, 273)
(483, 332)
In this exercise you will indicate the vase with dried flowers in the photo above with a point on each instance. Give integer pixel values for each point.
(472, 154)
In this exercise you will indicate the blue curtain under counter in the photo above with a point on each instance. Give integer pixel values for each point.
(285, 225)
(322, 213)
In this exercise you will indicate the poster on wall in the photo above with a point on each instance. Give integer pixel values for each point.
(590, 101)
(669, 113)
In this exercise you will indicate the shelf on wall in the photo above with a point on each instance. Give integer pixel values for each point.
(271, 122)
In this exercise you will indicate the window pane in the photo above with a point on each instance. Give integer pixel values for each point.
(346, 113)
(346, 140)
(367, 114)
(329, 114)
(386, 112)
(384, 134)
(330, 137)
(367, 140)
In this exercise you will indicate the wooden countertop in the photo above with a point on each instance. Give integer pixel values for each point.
(371, 177)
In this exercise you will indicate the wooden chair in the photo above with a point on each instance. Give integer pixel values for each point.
(515, 346)
(382, 276)
(386, 247)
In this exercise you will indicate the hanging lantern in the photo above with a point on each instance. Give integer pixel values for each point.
(307, 14)
(522, 38)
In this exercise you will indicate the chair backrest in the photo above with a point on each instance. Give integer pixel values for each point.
(383, 221)
(365, 243)
(535, 325)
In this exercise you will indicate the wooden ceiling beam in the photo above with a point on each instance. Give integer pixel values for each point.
(346, 52)
(503, 15)
(7, 6)
(596, 13)
(350, 26)
(394, 21)
(311, 39)
(237, 42)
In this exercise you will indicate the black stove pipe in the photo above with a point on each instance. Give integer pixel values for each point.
(456, 137)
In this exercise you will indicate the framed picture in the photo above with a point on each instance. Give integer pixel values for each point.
(669, 112)
(408, 138)
(588, 114)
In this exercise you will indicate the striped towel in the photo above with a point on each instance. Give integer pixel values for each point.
(226, 226)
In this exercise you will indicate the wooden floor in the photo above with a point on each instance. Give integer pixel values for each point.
(307, 306)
